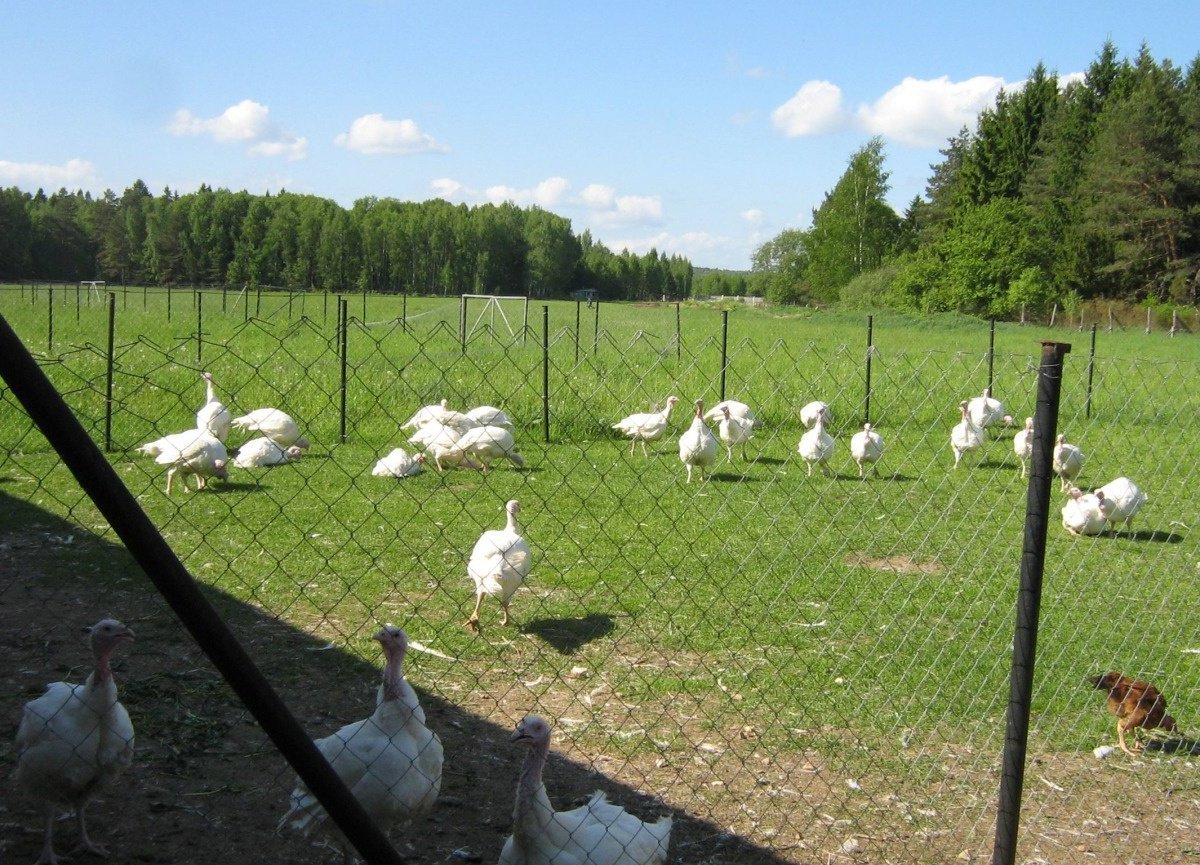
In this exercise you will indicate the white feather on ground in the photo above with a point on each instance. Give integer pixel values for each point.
(213, 416)
(390, 761)
(866, 446)
(1120, 500)
(399, 464)
(498, 565)
(1067, 461)
(646, 426)
(262, 452)
(816, 446)
(965, 436)
(698, 447)
(193, 452)
(598, 833)
(1081, 515)
(75, 740)
(276, 425)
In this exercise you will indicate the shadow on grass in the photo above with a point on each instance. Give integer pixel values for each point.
(1149, 535)
(569, 635)
(205, 777)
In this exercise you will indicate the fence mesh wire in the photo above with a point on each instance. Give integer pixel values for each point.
(799, 669)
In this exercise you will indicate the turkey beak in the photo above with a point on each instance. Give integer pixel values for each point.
(128, 635)
(518, 735)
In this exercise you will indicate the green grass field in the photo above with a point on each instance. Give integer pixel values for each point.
(874, 616)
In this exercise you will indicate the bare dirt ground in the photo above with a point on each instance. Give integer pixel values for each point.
(207, 786)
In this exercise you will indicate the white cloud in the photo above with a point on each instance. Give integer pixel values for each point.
(598, 196)
(924, 113)
(444, 187)
(373, 135)
(816, 108)
(916, 112)
(246, 122)
(73, 173)
(754, 216)
(596, 202)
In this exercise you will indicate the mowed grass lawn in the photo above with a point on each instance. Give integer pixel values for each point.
(812, 609)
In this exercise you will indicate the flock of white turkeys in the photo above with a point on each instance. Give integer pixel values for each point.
(76, 740)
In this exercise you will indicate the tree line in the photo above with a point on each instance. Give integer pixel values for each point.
(216, 236)
(1060, 194)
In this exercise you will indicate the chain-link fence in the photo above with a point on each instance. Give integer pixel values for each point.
(798, 668)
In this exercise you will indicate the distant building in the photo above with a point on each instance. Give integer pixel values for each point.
(588, 294)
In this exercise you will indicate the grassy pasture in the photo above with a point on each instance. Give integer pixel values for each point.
(866, 619)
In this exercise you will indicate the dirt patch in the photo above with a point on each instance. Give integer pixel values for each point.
(898, 564)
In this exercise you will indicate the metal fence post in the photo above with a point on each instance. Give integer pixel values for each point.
(724, 348)
(577, 304)
(108, 374)
(1029, 598)
(113, 499)
(678, 336)
(199, 326)
(870, 351)
(343, 344)
(1087, 410)
(991, 353)
(49, 318)
(546, 373)
(596, 329)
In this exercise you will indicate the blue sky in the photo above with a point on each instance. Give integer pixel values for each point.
(695, 128)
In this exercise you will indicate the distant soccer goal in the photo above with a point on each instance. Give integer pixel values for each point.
(490, 308)
(93, 287)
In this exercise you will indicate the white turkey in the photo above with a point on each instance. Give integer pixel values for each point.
(1067, 461)
(194, 452)
(390, 761)
(698, 447)
(734, 430)
(1023, 444)
(399, 464)
(261, 452)
(1082, 515)
(427, 433)
(737, 409)
(426, 414)
(866, 446)
(986, 411)
(813, 410)
(499, 564)
(966, 435)
(213, 415)
(445, 450)
(276, 425)
(646, 426)
(598, 833)
(1120, 500)
(487, 443)
(816, 446)
(486, 415)
(75, 740)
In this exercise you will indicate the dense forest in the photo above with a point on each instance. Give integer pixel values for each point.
(1063, 192)
(302, 241)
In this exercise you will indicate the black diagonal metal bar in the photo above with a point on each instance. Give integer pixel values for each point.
(1029, 599)
(102, 484)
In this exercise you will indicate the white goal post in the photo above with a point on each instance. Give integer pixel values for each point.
(493, 305)
(94, 287)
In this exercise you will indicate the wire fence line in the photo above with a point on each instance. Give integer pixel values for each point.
(800, 669)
